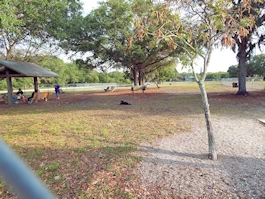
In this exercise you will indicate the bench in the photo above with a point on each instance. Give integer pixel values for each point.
(138, 88)
(40, 95)
(5, 98)
(111, 89)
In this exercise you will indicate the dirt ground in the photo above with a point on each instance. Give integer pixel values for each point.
(177, 166)
(226, 95)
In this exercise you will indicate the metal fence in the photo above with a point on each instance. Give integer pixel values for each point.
(77, 87)
(251, 83)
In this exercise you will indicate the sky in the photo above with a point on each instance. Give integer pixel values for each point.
(221, 58)
(89, 5)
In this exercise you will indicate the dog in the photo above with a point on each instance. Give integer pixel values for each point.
(124, 103)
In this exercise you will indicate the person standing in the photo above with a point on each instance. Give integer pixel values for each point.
(57, 90)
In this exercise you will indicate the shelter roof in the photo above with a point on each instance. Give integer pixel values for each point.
(24, 69)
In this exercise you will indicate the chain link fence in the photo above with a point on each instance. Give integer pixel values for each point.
(251, 83)
(77, 87)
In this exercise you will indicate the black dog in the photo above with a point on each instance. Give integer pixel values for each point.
(124, 103)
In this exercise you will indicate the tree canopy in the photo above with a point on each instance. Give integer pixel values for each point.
(254, 67)
(109, 33)
(34, 24)
(245, 25)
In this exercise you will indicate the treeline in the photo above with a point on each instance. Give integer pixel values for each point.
(80, 72)
(68, 73)
(255, 67)
(36, 31)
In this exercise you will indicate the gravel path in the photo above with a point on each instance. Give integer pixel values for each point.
(177, 166)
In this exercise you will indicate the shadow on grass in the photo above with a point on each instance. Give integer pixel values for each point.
(80, 172)
(235, 174)
(149, 103)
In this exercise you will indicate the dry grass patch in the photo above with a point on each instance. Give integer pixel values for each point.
(84, 145)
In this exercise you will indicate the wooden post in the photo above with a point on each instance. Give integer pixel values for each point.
(36, 87)
(9, 88)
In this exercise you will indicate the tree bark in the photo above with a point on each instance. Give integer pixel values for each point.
(242, 57)
(9, 51)
(134, 73)
(211, 140)
(141, 77)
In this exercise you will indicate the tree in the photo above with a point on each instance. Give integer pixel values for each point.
(118, 77)
(217, 75)
(108, 32)
(92, 77)
(245, 29)
(199, 31)
(256, 66)
(233, 71)
(165, 73)
(32, 25)
(68, 72)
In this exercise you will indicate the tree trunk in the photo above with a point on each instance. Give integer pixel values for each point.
(140, 76)
(242, 56)
(134, 73)
(143, 78)
(9, 52)
(211, 140)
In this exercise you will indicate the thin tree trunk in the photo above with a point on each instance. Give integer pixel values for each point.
(134, 73)
(211, 140)
(157, 85)
(9, 52)
(141, 76)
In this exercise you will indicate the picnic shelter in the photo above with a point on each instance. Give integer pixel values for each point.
(9, 69)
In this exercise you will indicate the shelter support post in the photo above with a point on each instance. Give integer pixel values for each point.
(9, 88)
(36, 86)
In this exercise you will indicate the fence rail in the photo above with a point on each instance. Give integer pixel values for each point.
(76, 87)
(251, 83)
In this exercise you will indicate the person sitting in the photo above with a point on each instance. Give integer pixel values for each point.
(20, 92)
(20, 95)
(30, 99)
(15, 99)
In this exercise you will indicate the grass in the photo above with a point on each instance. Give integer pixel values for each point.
(86, 145)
